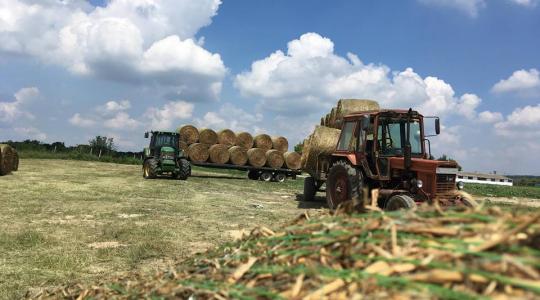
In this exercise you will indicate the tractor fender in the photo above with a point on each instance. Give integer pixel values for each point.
(348, 157)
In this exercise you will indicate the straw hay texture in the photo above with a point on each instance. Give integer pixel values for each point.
(183, 145)
(189, 134)
(257, 157)
(226, 137)
(238, 155)
(292, 160)
(219, 153)
(244, 139)
(280, 143)
(274, 159)
(6, 159)
(348, 106)
(424, 254)
(198, 152)
(321, 143)
(208, 136)
(263, 141)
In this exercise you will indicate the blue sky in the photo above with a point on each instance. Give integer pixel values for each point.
(70, 70)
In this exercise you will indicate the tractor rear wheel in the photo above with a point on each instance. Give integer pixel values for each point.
(150, 168)
(185, 169)
(310, 189)
(400, 201)
(343, 183)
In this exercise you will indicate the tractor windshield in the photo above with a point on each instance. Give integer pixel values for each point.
(392, 136)
(166, 140)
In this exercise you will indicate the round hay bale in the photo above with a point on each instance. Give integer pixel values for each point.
(183, 145)
(189, 134)
(238, 155)
(274, 159)
(198, 152)
(244, 139)
(226, 137)
(208, 136)
(322, 143)
(280, 143)
(292, 160)
(326, 120)
(263, 141)
(256, 157)
(6, 159)
(348, 106)
(219, 153)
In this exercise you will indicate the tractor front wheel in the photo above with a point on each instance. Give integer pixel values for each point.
(150, 168)
(400, 201)
(185, 169)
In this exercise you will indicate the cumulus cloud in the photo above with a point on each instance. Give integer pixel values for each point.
(31, 133)
(114, 107)
(232, 117)
(310, 77)
(81, 121)
(522, 82)
(469, 7)
(523, 122)
(11, 111)
(137, 41)
(164, 118)
(121, 121)
(525, 3)
(490, 117)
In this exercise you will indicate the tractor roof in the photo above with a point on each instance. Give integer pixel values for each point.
(379, 111)
(165, 132)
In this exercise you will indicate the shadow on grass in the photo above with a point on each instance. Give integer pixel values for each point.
(319, 202)
(218, 177)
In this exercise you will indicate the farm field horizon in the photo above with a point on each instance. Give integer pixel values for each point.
(75, 221)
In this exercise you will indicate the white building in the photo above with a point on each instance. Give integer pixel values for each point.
(467, 177)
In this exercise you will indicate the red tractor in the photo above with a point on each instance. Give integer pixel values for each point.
(386, 150)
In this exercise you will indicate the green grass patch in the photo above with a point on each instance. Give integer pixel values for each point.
(490, 190)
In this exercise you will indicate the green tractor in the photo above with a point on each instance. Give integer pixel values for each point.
(163, 156)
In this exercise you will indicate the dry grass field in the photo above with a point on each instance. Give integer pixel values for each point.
(73, 221)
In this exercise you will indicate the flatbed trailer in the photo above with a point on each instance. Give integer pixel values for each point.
(255, 173)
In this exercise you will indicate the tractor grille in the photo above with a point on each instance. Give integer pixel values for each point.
(445, 183)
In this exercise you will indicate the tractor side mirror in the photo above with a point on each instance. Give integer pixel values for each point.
(146, 135)
(437, 126)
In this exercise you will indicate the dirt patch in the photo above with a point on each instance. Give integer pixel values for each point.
(517, 201)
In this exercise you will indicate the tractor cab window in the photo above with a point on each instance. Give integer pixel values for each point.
(165, 140)
(392, 137)
(347, 141)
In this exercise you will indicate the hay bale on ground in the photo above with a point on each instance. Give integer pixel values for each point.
(280, 143)
(189, 134)
(256, 157)
(263, 141)
(238, 155)
(198, 152)
(292, 160)
(322, 143)
(226, 137)
(274, 159)
(6, 159)
(208, 136)
(244, 140)
(219, 153)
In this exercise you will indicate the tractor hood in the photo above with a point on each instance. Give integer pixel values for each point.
(167, 149)
(422, 165)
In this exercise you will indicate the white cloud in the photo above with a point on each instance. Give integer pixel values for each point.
(233, 118)
(469, 7)
(522, 82)
(81, 121)
(490, 117)
(523, 122)
(11, 111)
(114, 107)
(525, 3)
(122, 121)
(311, 77)
(30, 133)
(163, 118)
(139, 41)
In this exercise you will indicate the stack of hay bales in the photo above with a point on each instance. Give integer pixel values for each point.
(9, 159)
(323, 141)
(228, 147)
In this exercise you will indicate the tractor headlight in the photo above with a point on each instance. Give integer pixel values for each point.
(460, 185)
(417, 183)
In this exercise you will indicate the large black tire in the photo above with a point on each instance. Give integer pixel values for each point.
(310, 189)
(185, 169)
(266, 176)
(150, 168)
(253, 175)
(280, 177)
(343, 183)
(400, 201)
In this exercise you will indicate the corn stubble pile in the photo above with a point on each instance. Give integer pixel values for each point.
(228, 147)
(426, 254)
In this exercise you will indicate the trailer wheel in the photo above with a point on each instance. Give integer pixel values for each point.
(253, 175)
(280, 177)
(266, 176)
(400, 201)
(310, 189)
(344, 183)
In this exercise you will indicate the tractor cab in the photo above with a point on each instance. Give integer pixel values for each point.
(164, 156)
(388, 150)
